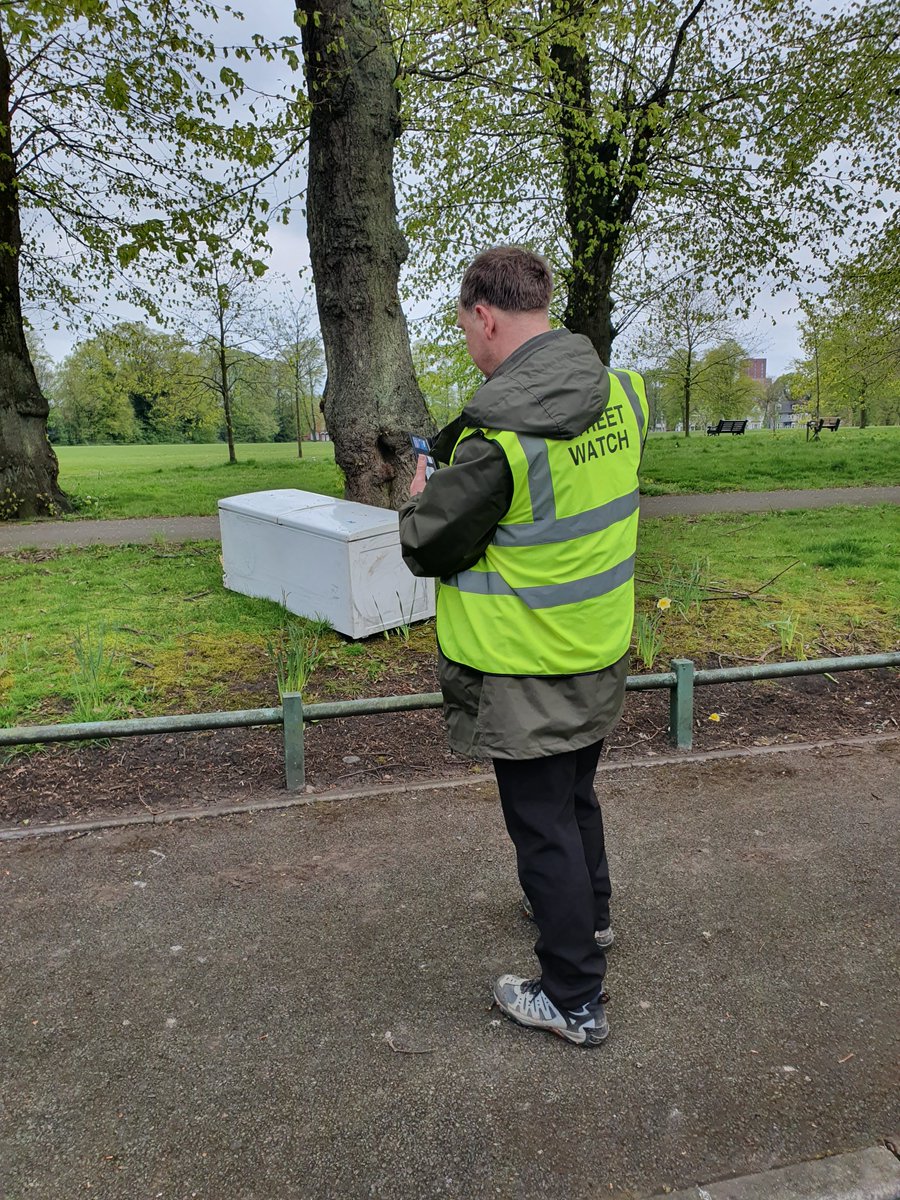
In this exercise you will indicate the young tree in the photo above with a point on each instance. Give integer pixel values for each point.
(852, 336)
(853, 359)
(372, 400)
(299, 368)
(686, 322)
(224, 316)
(714, 135)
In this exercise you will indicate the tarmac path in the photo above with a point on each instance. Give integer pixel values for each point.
(203, 1010)
(136, 530)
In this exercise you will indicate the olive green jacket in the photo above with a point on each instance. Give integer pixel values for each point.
(554, 386)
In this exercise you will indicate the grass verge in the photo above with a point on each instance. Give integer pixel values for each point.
(146, 481)
(763, 461)
(172, 481)
(173, 640)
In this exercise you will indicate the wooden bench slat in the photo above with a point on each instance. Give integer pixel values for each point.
(726, 427)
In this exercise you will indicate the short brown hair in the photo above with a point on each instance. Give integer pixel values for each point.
(508, 277)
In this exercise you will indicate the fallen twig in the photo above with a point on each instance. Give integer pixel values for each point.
(399, 1049)
(145, 804)
(774, 577)
(746, 658)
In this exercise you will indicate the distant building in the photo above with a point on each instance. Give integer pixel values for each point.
(792, 414)
(754, 368)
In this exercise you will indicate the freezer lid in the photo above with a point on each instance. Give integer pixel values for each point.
(268, 506)
(343, 520)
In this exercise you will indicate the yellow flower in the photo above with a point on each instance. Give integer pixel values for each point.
(714, 717)
(663, 603)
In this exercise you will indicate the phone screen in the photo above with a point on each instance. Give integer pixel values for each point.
(421, 446)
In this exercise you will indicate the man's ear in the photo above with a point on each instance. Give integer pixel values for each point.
(485, 315)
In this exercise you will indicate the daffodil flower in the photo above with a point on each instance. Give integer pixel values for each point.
(663, 603)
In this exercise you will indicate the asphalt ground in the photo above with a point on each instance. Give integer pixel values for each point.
(137, 530)
(297, 1004)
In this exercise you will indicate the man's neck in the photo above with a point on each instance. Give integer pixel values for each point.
(515, 332)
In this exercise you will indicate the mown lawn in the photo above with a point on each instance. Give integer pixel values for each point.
(136, 481)
(187, 480)
(762, 461)
(115, 631)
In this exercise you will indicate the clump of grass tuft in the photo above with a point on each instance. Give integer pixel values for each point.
(97, 673)
(846, 552)
(684, 584)
(790, 636)
(648, 638)
(296, 653)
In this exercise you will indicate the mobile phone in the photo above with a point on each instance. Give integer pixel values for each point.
(421, 446)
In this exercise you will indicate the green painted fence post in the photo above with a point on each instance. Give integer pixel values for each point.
(294, 764)
(681, 704)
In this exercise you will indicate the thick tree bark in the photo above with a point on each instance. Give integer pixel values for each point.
(28, 466)
(372, 401)
(604, 170)
(595, 213)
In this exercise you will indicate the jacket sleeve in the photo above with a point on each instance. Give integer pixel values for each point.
(447, 527)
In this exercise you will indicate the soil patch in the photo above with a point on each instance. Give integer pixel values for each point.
(133, 775)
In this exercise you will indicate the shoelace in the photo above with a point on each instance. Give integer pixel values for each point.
(537, 999)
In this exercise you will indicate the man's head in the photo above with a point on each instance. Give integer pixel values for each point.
(504, 301)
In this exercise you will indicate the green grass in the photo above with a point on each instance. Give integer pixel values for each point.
(136, 481)
(841, 589)
(188, 480)
(175, 640)
(761, 461)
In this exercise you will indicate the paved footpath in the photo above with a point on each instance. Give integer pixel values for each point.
(203, 1010)
(45, 534)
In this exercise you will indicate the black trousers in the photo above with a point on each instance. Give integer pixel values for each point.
(553, 817)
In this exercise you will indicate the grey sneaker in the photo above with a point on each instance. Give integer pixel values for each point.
(523, 1001)
(603, 937)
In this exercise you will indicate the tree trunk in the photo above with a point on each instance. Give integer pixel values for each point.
(28, 466)
(687, 396)
(226, 391)
(593, 224)
(372, 401)
(589, 306)
(604, 166)
(297, 418)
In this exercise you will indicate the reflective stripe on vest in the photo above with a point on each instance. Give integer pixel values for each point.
(554, 591)
(550, 595)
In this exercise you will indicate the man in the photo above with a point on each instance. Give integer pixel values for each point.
(532, 530)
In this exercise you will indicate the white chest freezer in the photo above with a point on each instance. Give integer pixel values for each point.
(322, 557)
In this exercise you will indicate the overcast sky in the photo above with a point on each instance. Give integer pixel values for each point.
(771, 333)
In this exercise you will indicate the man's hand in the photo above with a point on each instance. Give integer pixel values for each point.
(418, 480)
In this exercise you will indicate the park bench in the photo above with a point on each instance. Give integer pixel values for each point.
(816, 427)
(726, 427)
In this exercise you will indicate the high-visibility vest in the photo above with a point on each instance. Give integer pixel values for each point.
(553, 593)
